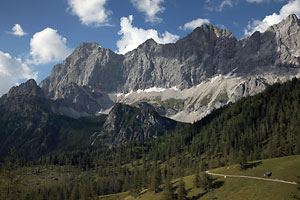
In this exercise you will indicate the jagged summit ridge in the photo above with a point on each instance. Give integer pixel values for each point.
(210, 30)
(89, 79)
(29, 88)
(293, 17)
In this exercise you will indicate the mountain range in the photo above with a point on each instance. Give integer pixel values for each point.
(96, 97)
(184, 81)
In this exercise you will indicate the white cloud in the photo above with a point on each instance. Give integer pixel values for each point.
(48, 46)
(211, 5)
(90, 12)
(194, 24)
(151, 8)
(132, 37)
(17, 30)
(11, 71)
(292, 7)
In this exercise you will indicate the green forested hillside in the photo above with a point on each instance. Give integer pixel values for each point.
(265, 125)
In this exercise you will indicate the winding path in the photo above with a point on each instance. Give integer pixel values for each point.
(251, 177)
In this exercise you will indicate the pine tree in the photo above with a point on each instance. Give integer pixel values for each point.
(197, 180)
(182, 193)
(156, 180)
(126, 185)
(135, 183)
(207, 182)
(168, 190)
(243, 161)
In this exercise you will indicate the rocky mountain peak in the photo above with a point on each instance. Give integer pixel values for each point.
(85, 50)
(24, 99)
(208, 39)
(286, 36)
(210, 31)
(149, 45)
(292, 18)
(85, 66)
(150, 42)
(29, 88)
(87, 46)
(287, 24)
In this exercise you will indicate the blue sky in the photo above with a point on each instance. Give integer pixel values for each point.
(37, 34)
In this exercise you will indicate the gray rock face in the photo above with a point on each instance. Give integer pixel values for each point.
(87, 81)
(183, 64)
(20, 98)
(126, 123)
(89, 65)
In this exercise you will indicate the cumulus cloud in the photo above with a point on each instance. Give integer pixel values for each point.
(17, 30)
(194, 24)
(151, 8)
(292, 7)
(90, 12)
(132, 36)
(48, 46)
(11, 71)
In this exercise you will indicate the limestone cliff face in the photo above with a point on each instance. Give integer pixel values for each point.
(184, 64)
(90, 79)
(89, 65)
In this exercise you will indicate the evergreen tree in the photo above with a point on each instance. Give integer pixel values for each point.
(156, 180)
(197, 180)
(135, 183)
(168, 190)
(182, 193)
(207, 182)
(243, 161)
(126, 185)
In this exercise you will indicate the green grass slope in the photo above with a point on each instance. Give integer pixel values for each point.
(284, 168)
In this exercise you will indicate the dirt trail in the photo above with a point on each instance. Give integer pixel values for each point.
(251, 177)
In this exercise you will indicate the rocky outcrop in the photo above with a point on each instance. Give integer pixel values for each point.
(23, 98)
(90, 79)
(126, 123)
